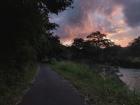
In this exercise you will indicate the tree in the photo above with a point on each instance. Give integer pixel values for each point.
(92, 48)
(25, 35)
(78, 43)
(99, 40)
(134, 47)
(112, 54)
(24, 23)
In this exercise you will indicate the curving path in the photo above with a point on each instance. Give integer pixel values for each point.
(50, 89)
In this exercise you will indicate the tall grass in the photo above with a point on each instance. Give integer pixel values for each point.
(96, 89)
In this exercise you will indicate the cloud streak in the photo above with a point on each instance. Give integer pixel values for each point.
(113, 17)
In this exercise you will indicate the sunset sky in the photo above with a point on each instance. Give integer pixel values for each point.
(119, 19)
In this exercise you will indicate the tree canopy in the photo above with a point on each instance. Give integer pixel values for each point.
(26, 37)
(99, 40)
(134, 47)
(25, 24)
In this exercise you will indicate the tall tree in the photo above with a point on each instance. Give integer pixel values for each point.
(134, 47)
(99, 40)
(25, 33)
(24, 25)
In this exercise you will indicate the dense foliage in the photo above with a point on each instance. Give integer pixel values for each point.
(25, 37)
(98, 49)
(25, 24)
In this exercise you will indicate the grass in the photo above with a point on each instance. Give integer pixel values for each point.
(96, 89)
(14, 82)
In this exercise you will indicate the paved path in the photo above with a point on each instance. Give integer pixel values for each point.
(50, 89)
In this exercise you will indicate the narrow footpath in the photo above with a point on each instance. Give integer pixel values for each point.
(51, 89)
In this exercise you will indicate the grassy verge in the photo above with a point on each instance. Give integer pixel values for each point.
(14, 81)
(96, 89)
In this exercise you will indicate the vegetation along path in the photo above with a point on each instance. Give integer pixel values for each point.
(50, 89)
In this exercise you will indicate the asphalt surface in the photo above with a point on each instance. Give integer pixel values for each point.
(51, 89)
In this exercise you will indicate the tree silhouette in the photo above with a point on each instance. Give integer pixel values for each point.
(25, 23)
(134, 47)
(25, 37)
(78, 43)
(96, 48)
(99, 40)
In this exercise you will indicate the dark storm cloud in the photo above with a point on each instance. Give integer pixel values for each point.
(80, 15)
(82, 8)
(131, 11)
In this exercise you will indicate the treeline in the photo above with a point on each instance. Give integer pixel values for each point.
(26, 38)
(130, 55)
(97, 49)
